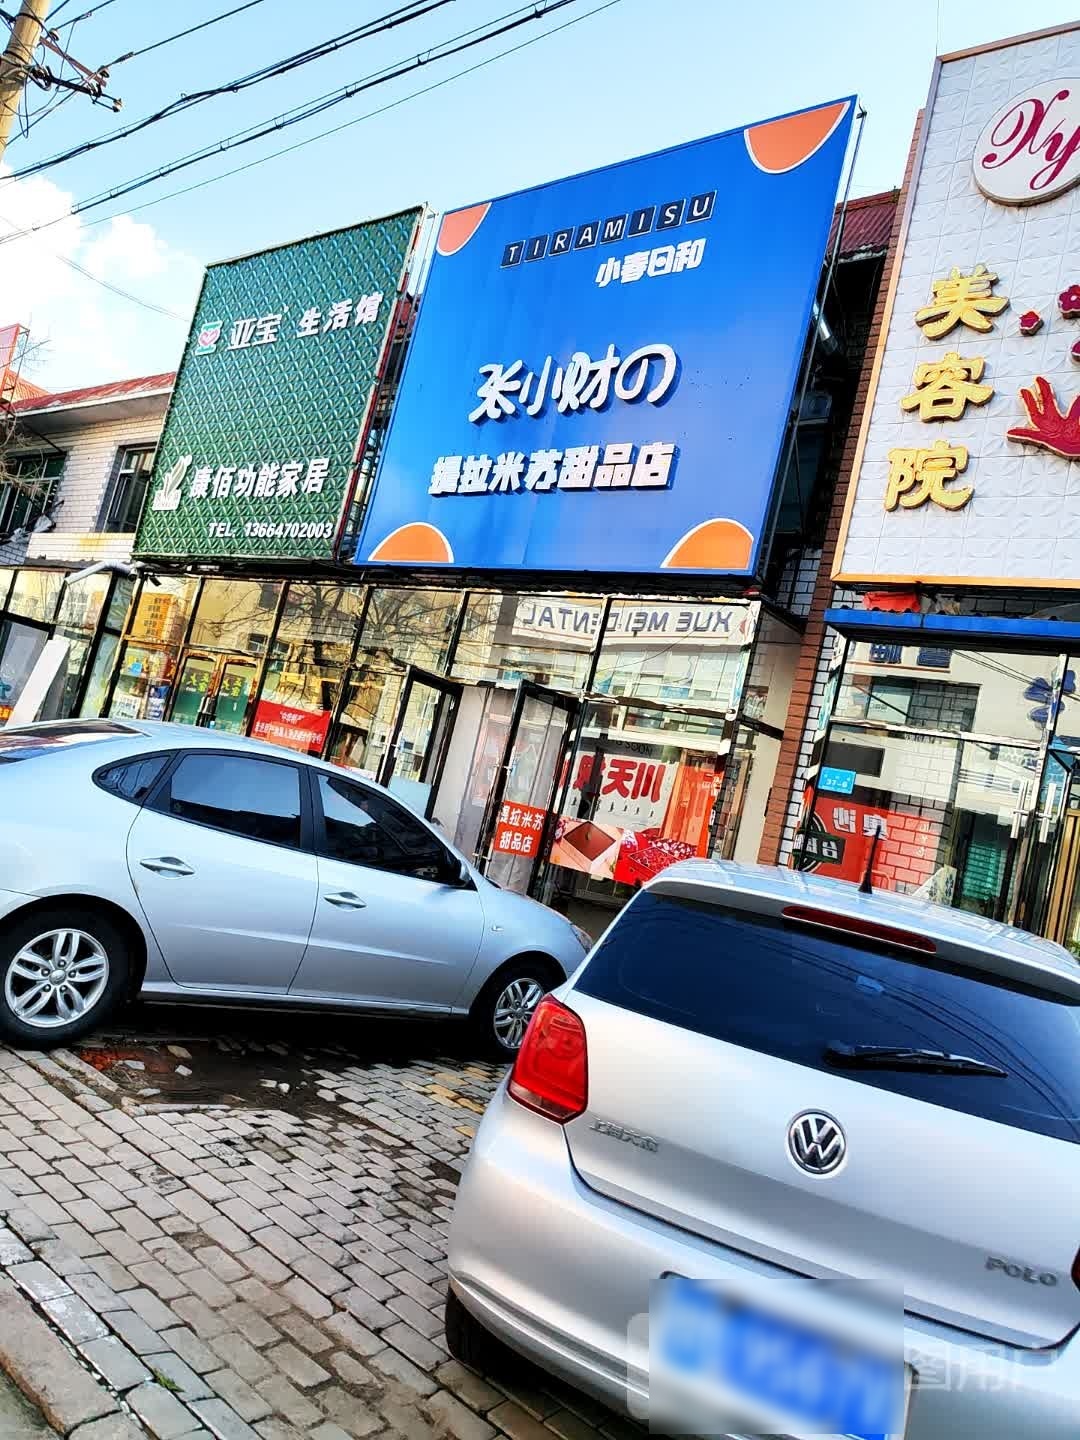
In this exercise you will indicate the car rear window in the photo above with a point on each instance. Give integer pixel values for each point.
(773, 986)
(30, 740)
(132, 779)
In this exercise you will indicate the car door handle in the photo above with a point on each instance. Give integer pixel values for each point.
(167, 865)
(346, 900)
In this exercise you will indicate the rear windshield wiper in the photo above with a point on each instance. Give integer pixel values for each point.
(908, 1057)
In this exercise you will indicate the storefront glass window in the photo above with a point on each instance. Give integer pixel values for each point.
(411, 627)
(142, 682)
(689, 651)
(20, 646)
(97, 685)
(6, 577)
(748, 778)
(308, 659)
(35, 593)
(235, 615)
(949, 814)
(639, 796)
(149, 659)
(401, 628)
(74, 663)
(162, 611)
(118, 605)
(81, 605)
(958, 691)
(545, 638)
(767, 693)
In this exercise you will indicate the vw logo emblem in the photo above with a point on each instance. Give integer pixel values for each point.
(816, 1143)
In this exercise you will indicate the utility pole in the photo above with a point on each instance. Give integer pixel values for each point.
(16, 62)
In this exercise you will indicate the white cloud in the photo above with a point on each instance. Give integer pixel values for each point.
(85, 333)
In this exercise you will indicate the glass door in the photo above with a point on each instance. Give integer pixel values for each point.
(215, 691)
(236, 683)
(425, 719)
(519, 808)
(193, 687)
(1046, 859)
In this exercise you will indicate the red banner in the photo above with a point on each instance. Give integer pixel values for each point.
(295, 729)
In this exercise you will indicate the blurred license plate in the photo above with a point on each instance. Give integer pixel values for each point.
(755, 1362)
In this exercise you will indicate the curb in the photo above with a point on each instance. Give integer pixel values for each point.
(51, 1378)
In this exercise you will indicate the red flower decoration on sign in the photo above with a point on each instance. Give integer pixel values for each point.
(1031, 322)
(1050, 428)
(1075, 352)
(1069, 300)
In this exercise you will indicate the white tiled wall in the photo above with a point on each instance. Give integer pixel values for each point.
(1023, 521)
(91, 454)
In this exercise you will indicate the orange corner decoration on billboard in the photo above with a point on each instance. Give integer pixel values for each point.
(418, 541)
(722, 545)
(781, 145)
(458, 228)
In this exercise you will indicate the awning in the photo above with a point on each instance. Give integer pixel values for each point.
(988, 632)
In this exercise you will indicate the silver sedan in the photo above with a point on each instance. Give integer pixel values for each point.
(175, 863)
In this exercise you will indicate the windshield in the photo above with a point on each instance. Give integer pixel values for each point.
(773, 986)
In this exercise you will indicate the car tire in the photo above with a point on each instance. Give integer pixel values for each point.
(470, 1344)
(63, 972)
(502, 1010)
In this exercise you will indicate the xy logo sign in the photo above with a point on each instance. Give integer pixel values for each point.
(1030, 150)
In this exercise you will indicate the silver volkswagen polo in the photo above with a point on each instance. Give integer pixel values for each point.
(190, 866)
(787, 1158)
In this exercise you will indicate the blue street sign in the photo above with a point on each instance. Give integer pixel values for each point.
(838, 782)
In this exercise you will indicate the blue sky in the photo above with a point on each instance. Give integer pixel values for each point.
(636, 76)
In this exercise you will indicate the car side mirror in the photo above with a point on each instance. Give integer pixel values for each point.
(456, 872)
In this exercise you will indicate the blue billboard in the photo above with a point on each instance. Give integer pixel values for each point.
(602, 368)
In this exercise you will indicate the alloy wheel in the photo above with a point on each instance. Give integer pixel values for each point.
(56, 978)
(513, 1010)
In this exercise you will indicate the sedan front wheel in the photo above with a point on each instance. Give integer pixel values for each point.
(64, 972)
(505, 1006)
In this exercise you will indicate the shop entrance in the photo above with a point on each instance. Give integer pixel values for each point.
(425, 720)
(518, 816)
(214, 691)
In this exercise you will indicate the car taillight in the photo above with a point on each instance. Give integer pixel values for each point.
(551, 1072)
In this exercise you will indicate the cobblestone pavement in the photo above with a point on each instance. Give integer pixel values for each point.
(237, 1226)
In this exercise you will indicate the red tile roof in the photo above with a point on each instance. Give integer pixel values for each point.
(115, 390)
(867, 224)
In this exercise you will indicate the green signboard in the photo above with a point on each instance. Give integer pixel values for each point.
(279, 371)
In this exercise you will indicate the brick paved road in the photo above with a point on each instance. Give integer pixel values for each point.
(239, 1227)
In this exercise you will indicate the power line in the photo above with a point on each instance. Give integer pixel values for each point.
(370, 115)
(180, 34)
(84, 16)
(107, 284)
(323, 135)
(514, 20)
(383, 23)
